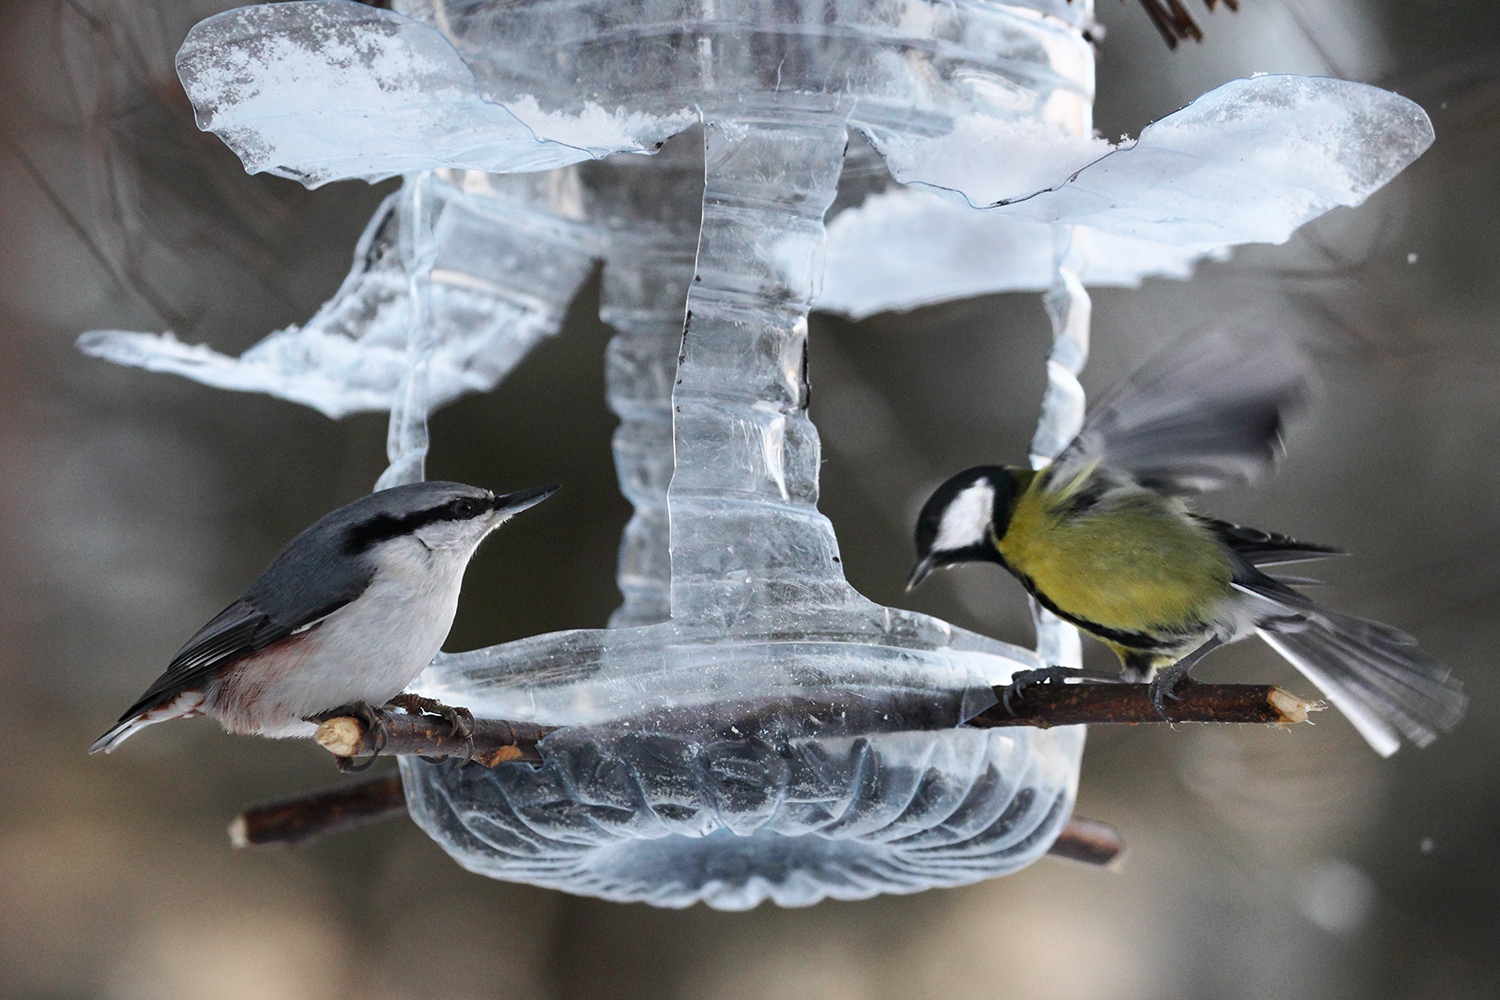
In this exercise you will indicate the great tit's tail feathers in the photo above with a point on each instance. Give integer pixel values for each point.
(184, 706)
(1374, 674)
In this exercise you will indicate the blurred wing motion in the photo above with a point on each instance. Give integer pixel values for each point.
(1202, 415)
(1375, 674)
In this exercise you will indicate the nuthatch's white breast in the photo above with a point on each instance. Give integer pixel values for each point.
(350, 612)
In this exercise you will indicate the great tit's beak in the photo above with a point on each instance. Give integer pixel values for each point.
(919, 572)
(509, 504)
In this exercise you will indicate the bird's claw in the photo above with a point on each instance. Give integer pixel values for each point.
(1164, 689)
(460, 720)
(1022, 679)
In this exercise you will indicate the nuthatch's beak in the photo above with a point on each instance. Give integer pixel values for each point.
(510, 504)
(919, 572)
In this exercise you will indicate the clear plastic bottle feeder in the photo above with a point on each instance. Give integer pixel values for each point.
(750, 727)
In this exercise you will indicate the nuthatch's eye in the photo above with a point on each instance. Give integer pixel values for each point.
(465, 508)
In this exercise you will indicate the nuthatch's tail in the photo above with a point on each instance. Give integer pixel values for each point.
(184, 706)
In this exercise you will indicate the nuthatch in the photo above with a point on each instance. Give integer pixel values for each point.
(347, 615)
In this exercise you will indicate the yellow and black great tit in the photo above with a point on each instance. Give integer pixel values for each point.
(1103, 538)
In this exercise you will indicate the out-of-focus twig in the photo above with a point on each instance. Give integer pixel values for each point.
(1090, 841)
(304, 818)
(301, 819)
(1175, 23)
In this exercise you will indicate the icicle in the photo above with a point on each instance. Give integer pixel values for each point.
(1069, 308)
(406, 441)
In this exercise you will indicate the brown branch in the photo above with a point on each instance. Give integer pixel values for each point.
(1174, 22)
(1090, 841)
(304, 818)
(1039, 705)
(494, 742)
(301, 819)
(1047, 705)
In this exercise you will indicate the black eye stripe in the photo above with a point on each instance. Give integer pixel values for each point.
(384, 527)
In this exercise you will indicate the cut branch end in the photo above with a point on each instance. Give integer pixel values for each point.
(492, 742)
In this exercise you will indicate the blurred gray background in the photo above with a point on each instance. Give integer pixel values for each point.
(134, 506)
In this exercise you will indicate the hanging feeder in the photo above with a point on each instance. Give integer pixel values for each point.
(749, 727)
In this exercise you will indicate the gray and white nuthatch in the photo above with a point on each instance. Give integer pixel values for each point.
(350, 612)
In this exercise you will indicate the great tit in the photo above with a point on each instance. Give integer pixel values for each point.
(1103, 538)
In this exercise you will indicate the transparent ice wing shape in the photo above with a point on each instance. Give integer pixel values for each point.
(330, 90)
(1247, 162)
(905, 247)
(512, 252)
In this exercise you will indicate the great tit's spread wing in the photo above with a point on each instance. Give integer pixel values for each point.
(1205, 414)
(1265, 548)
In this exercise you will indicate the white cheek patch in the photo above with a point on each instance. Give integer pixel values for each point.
(445, 535)
(966, 522)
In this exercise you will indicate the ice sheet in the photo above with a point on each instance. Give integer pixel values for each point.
(333, 90)
(1247, 162)
(936, 251)
(513, 252)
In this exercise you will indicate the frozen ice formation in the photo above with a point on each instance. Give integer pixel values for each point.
(750, 727)
(329, 91)
(949, 252)
(512, 251)
(1248, 162)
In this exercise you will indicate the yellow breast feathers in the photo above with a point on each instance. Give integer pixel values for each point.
(1134, 563)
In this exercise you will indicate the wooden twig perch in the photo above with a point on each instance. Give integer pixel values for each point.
(1040, 705)
(495, 742)
(302, 819)
(1047, 705)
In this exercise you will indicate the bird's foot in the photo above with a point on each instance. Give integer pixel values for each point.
(374, 724)
(1165, 686)
(460, 720)
(1022, 679)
